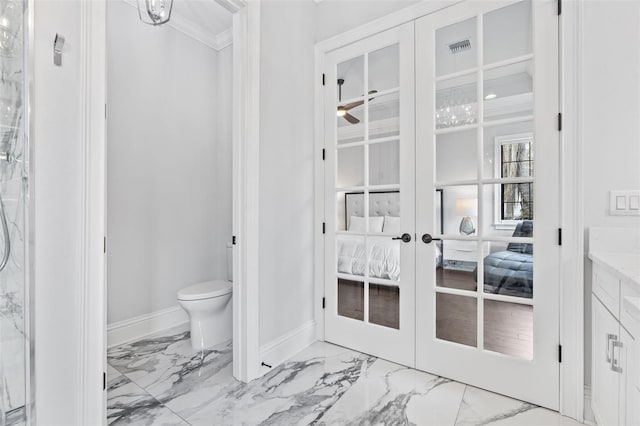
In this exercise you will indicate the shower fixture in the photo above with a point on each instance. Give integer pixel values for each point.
(5, 234)
(155, 12)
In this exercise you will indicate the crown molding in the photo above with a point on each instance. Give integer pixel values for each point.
(224, 39)
(216, 42)
(232, 6)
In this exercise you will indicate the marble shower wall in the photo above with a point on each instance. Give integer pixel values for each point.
(13, 199)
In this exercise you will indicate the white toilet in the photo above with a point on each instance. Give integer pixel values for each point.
(209, 307)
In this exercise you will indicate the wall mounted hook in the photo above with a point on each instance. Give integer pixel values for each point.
(58, 45)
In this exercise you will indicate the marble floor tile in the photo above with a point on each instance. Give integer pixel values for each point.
(162, 380)
(128, 404)
(298, 392)
(388, 393)
(481, 407)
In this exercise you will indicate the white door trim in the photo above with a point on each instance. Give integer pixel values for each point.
(572, 279)
(92, 309)
(92, 404)
(246, 192)
(572, 250)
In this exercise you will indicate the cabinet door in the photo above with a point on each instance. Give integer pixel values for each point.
(628, 354)
(605, 381)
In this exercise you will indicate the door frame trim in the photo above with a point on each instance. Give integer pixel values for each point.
(572, 250)
(91, 348)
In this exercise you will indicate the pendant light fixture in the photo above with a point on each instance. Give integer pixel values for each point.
(155, 12)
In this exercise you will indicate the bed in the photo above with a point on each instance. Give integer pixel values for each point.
(384, 257)
(510, 272)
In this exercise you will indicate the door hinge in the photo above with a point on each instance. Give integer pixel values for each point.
(323, 79)
(559, 7)
(559, 353)
(324, 227)
(233, 240)
(324, 303)
(559, 121)
(559, 236)
(104, 245)
(104, 381)
(324, 153)
(105, 111)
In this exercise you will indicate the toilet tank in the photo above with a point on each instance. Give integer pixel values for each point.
(229, 262)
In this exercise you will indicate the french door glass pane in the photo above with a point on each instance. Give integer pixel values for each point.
(456, 265)
(384, 70)
(456, 102)
(457, 156)
(507, 32)
(352, 74)
(384, 305)
(349, 132)
(351, 299)
(350, 114)
(350, 167)
(508, 328)
(457, 319)
(508, 91)
(384, 163)
(494, 137)
(459, 210)
(456, 48)
(384, 115)
(508, 269)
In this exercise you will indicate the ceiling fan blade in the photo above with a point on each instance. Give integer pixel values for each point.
(352, 105)
(351, 119)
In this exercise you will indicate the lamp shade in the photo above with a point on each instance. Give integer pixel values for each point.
(467, 207)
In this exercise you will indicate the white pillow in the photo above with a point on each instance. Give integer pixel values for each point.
(391, 225)
(357, 224)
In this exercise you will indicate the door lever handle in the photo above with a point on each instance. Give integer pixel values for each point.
(427, 238)
(405, 238)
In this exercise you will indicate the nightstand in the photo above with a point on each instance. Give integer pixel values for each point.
(462, 255)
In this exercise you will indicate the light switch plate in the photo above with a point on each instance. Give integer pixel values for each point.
(624, 203)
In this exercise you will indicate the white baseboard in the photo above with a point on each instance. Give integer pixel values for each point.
(284, 347)
(589, 417)
(126, 331)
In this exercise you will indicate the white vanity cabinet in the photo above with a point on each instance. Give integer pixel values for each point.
(615, 352)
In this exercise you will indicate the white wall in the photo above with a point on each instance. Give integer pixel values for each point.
(286, 167)
(337, 16)
(611, 128)
(58, 213)
(289, 31)
(168, 165)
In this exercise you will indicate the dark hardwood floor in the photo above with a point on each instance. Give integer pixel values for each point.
(508, 327)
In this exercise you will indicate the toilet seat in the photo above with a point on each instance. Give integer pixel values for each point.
(205, 290)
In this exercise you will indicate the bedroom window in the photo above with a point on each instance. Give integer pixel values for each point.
(514, 159)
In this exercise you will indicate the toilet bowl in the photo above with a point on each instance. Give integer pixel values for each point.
(209, 307)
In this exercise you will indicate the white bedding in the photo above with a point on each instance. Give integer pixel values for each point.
(384, 257)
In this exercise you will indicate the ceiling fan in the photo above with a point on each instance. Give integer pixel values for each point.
(343, 110)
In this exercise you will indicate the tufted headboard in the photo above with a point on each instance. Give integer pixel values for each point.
(381, 203)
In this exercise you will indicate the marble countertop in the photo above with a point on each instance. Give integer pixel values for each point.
(625, 265)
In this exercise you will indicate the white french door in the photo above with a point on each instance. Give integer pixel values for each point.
(442, 196)
(369, 196)
(488, 285)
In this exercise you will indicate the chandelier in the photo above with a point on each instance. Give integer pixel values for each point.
(155, 12)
